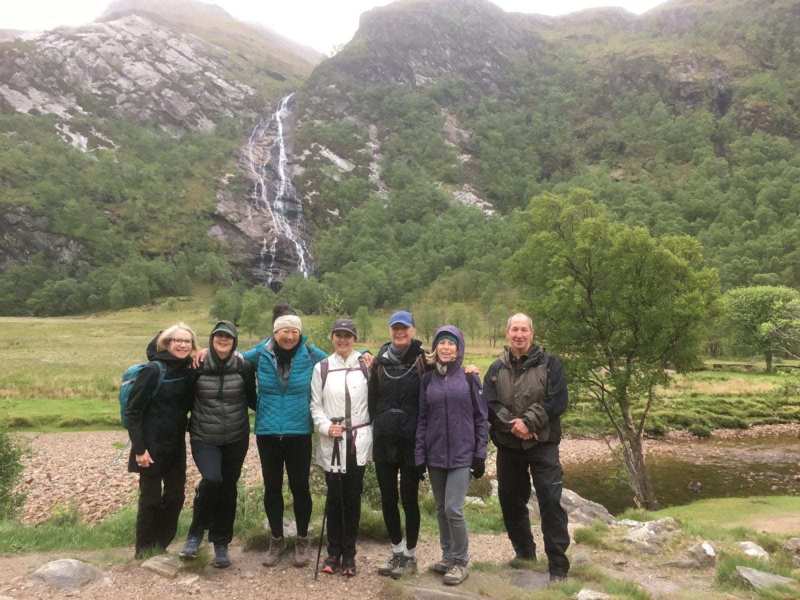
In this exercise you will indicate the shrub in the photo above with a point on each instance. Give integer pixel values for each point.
(10, 471)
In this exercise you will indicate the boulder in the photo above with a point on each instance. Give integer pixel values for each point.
(703, 554)
(163, 564)
(792, 545)
(67, 573)
(761, 580)
(579, 510)
(753, 550)
(587, 594)
(650, 536)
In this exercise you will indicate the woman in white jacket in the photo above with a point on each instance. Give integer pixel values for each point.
(341, 417)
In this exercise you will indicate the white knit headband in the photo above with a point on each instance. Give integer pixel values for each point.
(287, 322)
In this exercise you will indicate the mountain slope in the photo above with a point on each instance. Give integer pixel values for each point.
(684, 119)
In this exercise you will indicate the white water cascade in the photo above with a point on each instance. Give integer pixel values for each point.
(273, 193)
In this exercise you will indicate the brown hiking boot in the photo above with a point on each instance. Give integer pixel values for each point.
(301, 551)
(276, 548)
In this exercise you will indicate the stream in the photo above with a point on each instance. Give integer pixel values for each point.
(684, 472)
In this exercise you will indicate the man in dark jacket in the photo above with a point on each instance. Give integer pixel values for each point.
(527, 393)
(393, 399)
(219, 434)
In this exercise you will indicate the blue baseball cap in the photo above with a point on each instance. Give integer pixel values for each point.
(401, 317)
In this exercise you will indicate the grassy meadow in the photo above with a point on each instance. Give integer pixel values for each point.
(63, 373)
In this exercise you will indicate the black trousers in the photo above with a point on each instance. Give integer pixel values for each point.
(343, 503)
(293, 452)
(387, 474)
(161, 496)
(515, 468)
(215, 496)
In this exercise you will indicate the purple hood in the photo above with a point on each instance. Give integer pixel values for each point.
(452, 426)
(455, 332)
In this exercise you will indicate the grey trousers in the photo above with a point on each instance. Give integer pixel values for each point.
(449, 490)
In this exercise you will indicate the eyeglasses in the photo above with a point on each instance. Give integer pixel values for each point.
(184, 342)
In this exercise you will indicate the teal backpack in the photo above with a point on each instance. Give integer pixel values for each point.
(128, 378)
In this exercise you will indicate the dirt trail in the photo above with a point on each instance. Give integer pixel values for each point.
(88, 469)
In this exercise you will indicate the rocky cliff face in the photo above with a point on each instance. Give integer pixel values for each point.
(130, 68)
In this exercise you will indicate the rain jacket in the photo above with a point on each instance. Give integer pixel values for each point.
(452, 426)
(330, 402)
(157, 423)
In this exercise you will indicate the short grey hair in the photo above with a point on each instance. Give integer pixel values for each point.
(519, 317)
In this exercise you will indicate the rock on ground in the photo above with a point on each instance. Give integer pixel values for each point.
(703, 554)
(67, 573)
(761, 580)
(587, 594)
(166, 565)
(753, 550)
(579, 510)
(650, 536)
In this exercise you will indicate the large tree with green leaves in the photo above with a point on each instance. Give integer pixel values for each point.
(620, 305)
(765, 319)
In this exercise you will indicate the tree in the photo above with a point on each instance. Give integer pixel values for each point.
(764, 318)
(256, 315)
(620, 305)
(363, 323)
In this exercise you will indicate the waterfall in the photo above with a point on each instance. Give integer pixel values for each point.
(273, 193)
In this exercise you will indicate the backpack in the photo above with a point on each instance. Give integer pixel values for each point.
(324, 368)
(128, 378)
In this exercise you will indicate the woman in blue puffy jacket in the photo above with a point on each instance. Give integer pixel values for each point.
(284, 365)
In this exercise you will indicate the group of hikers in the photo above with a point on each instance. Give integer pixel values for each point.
(413, 413)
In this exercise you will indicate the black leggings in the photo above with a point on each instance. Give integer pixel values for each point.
(409, 488)
(294, 451)
(215, 497)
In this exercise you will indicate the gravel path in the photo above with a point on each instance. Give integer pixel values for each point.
(88, 469)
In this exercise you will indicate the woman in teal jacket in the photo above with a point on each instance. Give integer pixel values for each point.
(284, 365)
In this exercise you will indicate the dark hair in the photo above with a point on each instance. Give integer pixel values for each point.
(282, 309)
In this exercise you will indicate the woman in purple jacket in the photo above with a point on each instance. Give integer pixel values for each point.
(452, 431)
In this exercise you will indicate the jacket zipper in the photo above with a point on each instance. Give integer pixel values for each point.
(447, 423)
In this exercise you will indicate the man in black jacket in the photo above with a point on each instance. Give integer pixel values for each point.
(527, 393)
(393, 400)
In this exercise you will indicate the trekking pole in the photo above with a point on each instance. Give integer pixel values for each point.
(335, 460)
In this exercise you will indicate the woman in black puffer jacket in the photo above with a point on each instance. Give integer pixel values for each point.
(220, 434)
(156, 415)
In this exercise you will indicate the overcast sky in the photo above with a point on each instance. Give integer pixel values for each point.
(321, 24)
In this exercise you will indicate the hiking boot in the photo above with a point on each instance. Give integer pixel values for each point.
(221, 558)
(190, 548)
(455, 575)
(406, 566)
(388, 569)
(276, 548)
(301, 551)
(349, 567)
(441, 567)
(331, 565)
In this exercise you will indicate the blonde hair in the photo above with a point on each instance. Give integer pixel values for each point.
(166, 336)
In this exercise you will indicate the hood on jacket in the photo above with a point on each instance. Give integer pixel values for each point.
(455, 332)
(226, 327)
